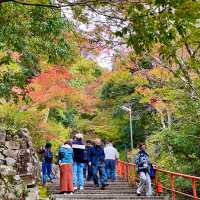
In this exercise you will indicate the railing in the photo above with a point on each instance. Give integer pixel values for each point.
(128, 172)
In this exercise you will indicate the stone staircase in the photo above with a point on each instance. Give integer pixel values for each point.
(115, 190)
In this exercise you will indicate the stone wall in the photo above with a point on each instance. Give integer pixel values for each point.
(18, 164)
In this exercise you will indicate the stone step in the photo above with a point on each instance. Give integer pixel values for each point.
(131, 191)
(102, 196)
(91, 183)
(115, 191)
(106, 196)
(132, 198)
(92, 186)
(93, 189)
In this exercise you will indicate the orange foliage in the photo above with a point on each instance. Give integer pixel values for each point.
(49, 136)
(50, 84)
(14, 55)
(143, 90)
(84, 102)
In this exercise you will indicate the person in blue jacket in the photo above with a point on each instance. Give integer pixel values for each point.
(97, 161)
(47, 159)
(65, 162)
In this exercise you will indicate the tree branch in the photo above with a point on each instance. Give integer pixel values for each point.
(195, 51)
(58, 6)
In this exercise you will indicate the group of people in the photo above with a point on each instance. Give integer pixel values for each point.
(92, 161)
(79, 161)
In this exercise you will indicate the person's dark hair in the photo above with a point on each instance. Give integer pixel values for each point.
(48, 145)
(92, 143)
(103, 142)
(110, 141)
(140, 145)
(79, 139)
(89, 142)
(74, 137)
(68, 142)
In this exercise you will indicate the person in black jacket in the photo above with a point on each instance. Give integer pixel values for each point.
(88, 168)
(79, 161)
(97, 161)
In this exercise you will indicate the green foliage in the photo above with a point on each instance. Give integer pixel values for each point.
(84, 71)
(12, 116)
(43, 192)
(56, 133)
(118, 85)
(33, 31)
(160, 22)
(66, 118)
(159, 80)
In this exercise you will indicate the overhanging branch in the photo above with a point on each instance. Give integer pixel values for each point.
(59, 5)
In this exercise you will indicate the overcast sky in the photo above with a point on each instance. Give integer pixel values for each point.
(105, 57)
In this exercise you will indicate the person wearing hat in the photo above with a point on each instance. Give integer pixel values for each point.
(79, 162)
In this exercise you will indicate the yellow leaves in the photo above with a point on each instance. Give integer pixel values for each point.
(159, 105)
(120, 76)
(144, 91)
(160, 73)
(84, 102)
(12, 67)
(150, 96)
(140, 79)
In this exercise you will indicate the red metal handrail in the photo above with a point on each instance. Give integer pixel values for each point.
(128, 172)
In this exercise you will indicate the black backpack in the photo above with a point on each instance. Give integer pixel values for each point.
(48, 156)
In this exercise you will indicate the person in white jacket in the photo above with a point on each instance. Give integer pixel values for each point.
(111, 157)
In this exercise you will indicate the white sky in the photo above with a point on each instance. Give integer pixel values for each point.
(105, 57)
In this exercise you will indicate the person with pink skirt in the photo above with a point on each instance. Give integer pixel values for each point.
(66, 171)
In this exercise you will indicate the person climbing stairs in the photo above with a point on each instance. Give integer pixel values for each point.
(116, 190)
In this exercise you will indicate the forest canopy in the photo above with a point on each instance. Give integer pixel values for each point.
(50, 87)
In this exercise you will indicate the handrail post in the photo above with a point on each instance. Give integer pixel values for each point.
(134, 174)
(156, 183)
(128, 170)
(172, 187)
(194, 189)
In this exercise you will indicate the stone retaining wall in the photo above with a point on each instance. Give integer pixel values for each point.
(18, 164)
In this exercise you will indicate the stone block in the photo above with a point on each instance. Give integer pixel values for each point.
(24, 133)
(11, 153)
(2, 136)
(8, 137)
(17, 179)
(2, 157)
(7, 170)
(10, 196)
(2, 162)
(24, 144)
(12, 145)
(30, 167)
(10, 161)
(2, 191)
(2, 148)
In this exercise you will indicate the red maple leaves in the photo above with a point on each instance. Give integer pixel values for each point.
(50, 84)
